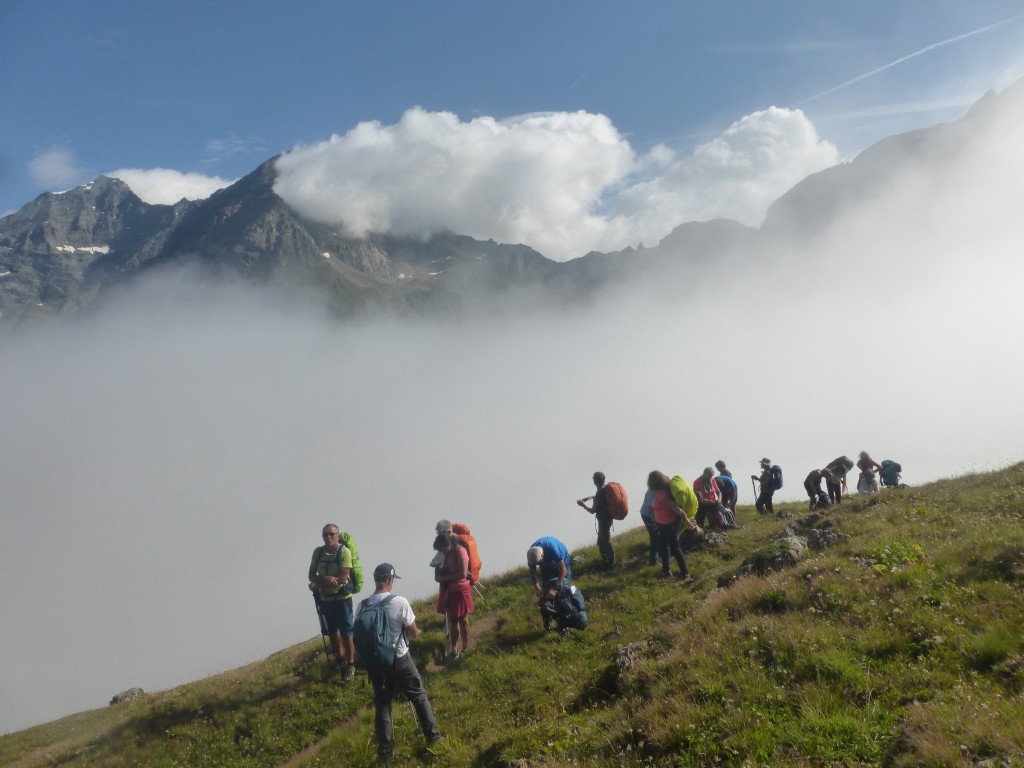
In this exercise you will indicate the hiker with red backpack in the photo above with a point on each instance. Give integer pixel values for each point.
(609, 504)
(709, 499)
(455, 590)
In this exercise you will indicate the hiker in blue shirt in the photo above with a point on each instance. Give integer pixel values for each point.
(647, 516)
(550, 557)
(730, 491)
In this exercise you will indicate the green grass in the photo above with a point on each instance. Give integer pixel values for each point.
(900, 646)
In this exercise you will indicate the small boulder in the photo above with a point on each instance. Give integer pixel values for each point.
(131, 693)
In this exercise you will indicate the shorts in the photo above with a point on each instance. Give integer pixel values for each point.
(455, 599)
(338, 615)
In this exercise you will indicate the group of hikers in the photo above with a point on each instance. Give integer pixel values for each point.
(376, 633)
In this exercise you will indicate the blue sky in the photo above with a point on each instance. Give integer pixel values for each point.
(215, 89)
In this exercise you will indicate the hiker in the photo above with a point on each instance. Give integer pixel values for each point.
(817, 496)
(455, 593)
(867, 482)
(890, 474)
(442, 526)
(550, 557)
(730, 490)
(563, 604)
(669, 517)
(329, 581)
(835, 478)
(401, 675)
(604, 520)
(767, 481)
(647, 516)
(708, 497)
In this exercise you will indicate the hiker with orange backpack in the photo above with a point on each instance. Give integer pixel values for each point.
(609, 504)
(455, 591)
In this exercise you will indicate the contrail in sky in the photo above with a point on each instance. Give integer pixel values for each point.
(909, 56)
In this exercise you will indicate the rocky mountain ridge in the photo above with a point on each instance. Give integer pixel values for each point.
(62, 251)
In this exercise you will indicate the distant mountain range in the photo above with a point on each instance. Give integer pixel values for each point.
(64, 251)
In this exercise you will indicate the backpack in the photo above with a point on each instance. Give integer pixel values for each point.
(683, 495)
(615, 501)
(843, 462)
(356, 574)
(890, 473)
(371, 634)
(467, 540)
(776, 477)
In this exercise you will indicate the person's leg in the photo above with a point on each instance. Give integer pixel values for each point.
(347, 628)
(408, 681)
(702, 515)
(655, 541)
(677, 550)
(664, 534)
(463, 626)
(759, 503)
(768, 501)
(382, 727)
(604, 540)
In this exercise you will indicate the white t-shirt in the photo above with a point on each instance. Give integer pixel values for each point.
(399, 614)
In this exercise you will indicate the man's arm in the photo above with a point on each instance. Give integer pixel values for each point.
(412, 631)
(562, 571)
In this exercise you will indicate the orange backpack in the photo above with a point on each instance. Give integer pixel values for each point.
(475, 563)
(616, 501)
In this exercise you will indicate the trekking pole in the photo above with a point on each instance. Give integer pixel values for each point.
(323, 628)
(754, 487)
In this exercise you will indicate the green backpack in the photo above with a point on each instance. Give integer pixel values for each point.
(683, 495)
(356, 575)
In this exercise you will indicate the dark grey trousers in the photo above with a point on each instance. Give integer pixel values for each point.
(402, 677)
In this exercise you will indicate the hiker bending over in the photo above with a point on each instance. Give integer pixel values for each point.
(647, 516)
(455, 593)
(764, 498)
(709, 498)
(670, 519)
(329, 581)
(867, 482)
(604, 520)
(835, 478)
(443, 526)
(812, 484)
(397, 674)
(548, 559)
(564, 605)
(730, 491)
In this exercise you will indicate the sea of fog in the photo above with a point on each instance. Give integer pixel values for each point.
(167, 463)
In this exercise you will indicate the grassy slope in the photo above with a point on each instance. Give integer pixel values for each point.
(899, 646)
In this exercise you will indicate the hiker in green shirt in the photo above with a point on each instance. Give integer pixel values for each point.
(329, 581)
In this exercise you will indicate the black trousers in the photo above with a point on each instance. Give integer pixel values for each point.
(403, 677)
(604, 539)
(764, 501)
(670, 544)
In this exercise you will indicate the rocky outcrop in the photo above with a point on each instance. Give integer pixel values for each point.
(131, 693)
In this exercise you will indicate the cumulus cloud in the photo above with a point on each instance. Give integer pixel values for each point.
(564, 183)
(58, 168)
(736, 175)
(165, 186)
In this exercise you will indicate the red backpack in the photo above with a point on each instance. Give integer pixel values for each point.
(616, 502)
(475, 563)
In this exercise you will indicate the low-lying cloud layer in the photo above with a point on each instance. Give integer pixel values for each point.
(563, 183)
(169, 461)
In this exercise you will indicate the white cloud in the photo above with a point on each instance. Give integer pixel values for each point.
(165, 186)
(564, 183)
(736, 175)
(56, 169)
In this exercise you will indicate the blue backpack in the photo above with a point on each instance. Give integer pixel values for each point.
(776, 477)
(371, 634)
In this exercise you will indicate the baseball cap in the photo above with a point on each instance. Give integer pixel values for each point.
(385, 572)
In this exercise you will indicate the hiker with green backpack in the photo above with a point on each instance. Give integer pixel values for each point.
(384, 625)
(332, 584)
(670, 515)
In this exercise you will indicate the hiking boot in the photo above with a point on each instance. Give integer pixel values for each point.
(348, 673)
(664, 575)
(453, 656)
